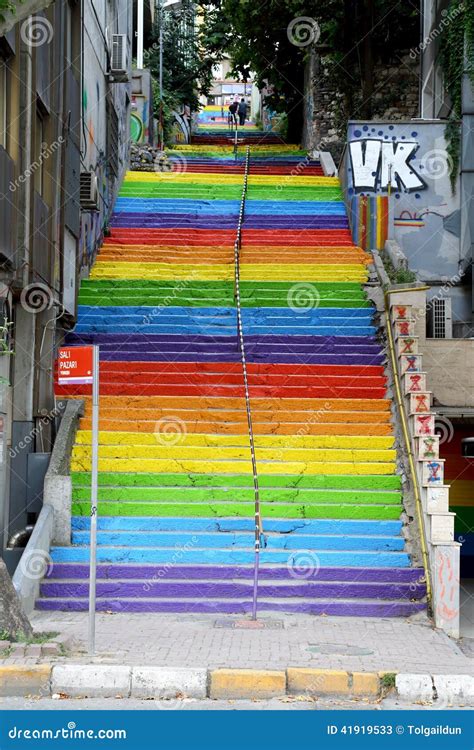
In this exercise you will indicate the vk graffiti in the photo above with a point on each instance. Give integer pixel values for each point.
(376, 164)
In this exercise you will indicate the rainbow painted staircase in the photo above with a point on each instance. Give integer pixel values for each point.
(176, 501)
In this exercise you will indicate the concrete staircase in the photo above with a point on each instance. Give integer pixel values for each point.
(175, 485)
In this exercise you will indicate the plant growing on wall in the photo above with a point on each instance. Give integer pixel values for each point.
(6, 5)
(457, 55)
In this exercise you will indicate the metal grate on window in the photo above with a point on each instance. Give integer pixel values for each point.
(439, 319)
(112, 138)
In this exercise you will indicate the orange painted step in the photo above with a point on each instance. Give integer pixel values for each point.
(218, 405)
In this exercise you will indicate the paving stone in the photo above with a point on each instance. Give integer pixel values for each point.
(161, 638)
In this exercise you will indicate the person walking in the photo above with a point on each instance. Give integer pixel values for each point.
(242, 112)
(233, 113)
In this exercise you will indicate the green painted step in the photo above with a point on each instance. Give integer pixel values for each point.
(152, 300)
(221, 494)
(246, 287)
(309, 481)
(246, 510)
(228, 192)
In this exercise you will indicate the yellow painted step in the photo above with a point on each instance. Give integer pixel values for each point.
(225, 453)
(84, 437)
(170, 466)
(248, 272)
(203, 178)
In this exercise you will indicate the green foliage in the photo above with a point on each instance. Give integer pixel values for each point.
(356, 35)
(187, 63)
(388, 680)
(6, 5)
(396, 275)
(456, 48)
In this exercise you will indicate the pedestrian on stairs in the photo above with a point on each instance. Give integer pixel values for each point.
(232, 113)
(242, 112)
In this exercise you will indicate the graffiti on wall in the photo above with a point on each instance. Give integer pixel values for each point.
(378, 165)
(397, 184)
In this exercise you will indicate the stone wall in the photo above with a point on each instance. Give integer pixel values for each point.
(396, 97)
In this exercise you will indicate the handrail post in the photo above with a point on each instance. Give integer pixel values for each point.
(240, 339)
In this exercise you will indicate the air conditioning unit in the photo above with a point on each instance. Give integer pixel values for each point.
(439, 321)
(89, 192)
(119, 59)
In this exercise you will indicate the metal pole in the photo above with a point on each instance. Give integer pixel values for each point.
(140, 34)
(94, 478)
(240, 339)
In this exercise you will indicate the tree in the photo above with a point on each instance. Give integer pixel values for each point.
(187, 62)
(13, 621)
(356, 36)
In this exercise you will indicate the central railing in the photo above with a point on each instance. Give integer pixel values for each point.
(240, 338)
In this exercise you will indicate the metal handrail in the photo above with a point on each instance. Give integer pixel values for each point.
(408, 445)
(240, 337)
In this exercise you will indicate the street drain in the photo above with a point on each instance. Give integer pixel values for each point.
(339, 649)
(250, 624)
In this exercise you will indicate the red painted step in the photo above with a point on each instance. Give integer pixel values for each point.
(286, 237)
(257, 391)
(354, 371)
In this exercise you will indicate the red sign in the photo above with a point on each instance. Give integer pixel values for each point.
(75, 365)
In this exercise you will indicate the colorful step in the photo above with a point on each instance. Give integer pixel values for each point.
(175, 494)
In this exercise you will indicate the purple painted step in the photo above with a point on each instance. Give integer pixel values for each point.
(317, 343)
(206, 572)
(226, 221)
(146, 589)
(353, 350)
(341, 608)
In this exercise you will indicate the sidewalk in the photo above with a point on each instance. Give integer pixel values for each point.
(207, 641)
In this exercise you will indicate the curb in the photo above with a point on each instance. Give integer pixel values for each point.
(144, 682)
